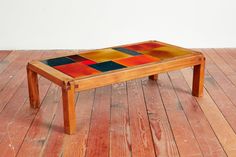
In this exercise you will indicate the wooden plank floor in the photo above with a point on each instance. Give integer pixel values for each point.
(138, 118)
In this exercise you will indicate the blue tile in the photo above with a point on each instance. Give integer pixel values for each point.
(107, 66)
(58, 61)
(127, 51)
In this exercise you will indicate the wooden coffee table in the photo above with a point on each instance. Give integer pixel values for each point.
(102, 67)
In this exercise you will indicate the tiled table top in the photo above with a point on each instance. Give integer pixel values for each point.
(103, 60)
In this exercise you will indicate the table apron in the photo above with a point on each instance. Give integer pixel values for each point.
(137, 72)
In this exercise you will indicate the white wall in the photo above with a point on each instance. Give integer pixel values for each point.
(73, 24)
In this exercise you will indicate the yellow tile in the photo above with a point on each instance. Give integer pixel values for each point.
(167, 52)
(104, 55)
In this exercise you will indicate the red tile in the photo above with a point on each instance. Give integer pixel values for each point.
(76, 69)
(143, 46)
(88, 62)
(137, 60)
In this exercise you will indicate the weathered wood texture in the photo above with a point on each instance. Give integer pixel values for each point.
(141, 117)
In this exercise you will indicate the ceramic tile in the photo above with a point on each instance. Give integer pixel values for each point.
(167, 52)
(107, 66)
(76, 69)
(144, 46)
(127, 51)
(58, 61)
(78, 58)
(104, 55)
(137, 60)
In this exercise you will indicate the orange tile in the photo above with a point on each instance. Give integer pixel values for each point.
(167, 52)
(76, 69)
(144, 46)
(136, 60)
(104, 55)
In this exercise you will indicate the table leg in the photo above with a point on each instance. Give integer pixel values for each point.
(198, 79)
(153, 77)
(68, 96)
(33, 88)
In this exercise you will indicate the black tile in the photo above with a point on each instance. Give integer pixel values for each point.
(58, 61)
(127, 51)
(107, 66)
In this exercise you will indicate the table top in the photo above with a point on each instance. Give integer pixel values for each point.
(101, 61)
